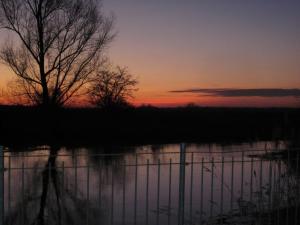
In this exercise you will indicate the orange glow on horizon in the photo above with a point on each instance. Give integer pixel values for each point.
(172, 100)
(211, 101)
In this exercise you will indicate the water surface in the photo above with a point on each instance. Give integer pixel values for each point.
(141, 184)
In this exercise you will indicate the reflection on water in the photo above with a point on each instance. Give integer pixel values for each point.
(79, 186)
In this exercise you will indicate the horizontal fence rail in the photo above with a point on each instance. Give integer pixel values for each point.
(248, 187)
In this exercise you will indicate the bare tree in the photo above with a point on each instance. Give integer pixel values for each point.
(112, 88)
(59, 45)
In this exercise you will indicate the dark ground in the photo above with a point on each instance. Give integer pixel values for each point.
(87, 126)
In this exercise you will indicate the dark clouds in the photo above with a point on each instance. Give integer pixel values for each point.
(236, 92)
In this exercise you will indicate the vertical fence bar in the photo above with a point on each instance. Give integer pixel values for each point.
(23, 194)
(212, 188)
(135, 187)
(62, 190)
(8, 188)
(261, 191)
(242, 178)
(191, 189)
(100, 185)
(66, 182)
(251, 180)
(63, 178)
(181, 185)
(124, 193)
(170, 191)
(279, 192)
(112, 196)
(75, 185)
(275, 191)
(88, 193)
(231, 186)
(201, 197)
(270, 192)
(288, 187)
(158, 193)
(49, 168)
(1, 186)
(297, 188)
(222, 190)
(147, 193)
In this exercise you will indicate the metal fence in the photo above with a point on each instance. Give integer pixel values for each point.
(181, 187)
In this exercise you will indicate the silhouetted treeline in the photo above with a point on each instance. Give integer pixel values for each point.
(145, 125)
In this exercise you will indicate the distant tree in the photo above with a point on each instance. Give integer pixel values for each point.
(56, 47)
(112, 88)
(191, 105)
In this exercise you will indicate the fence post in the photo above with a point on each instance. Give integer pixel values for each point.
(181, 185)
(1, 186)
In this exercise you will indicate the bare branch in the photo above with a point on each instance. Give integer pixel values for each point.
(112, 88)
(58, 43)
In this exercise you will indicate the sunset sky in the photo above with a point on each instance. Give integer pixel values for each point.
(178, 48)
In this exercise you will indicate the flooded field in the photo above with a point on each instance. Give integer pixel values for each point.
(250, 183)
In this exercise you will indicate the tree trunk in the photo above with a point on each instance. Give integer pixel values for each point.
(45, 95)
(45, 98)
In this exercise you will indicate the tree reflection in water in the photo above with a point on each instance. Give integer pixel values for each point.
(50, 173)
(44, 199)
